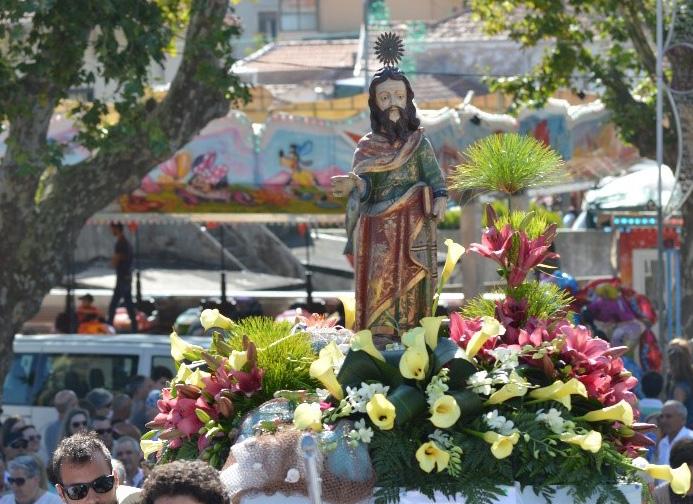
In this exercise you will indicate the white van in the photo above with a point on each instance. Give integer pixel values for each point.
(45, 364)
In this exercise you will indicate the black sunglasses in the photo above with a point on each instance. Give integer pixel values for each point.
(76, 425)
(16, 481)
(101, 432)
(19, 444)
(102, 484)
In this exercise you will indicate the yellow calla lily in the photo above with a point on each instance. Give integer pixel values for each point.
(455, 251)
(363, 341)
(560, 392)
(149, 446)
(212, 318)
(381, 412)
(490, 328)
(619, 412)
(430, 456)
(679, 479)
(322, 370)
(445, 412)
(180, 350)
(517, 387)
(349, 304)
(237, 360)
(332, 353)
(414, 363)
(501, 446)
(592, 441)
(308, 416)
(431, 327)
(195, 378)
(415, 338)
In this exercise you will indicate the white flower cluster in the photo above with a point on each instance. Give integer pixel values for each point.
(555, 421)
(482, 382)
(360, 434)
(499, 423)
(437, 387)
(506, 358)
(359, 397)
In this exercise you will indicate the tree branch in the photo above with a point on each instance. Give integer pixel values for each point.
(639, 36)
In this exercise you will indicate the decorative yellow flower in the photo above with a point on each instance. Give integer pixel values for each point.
(381, 412)
(415, 338)
(679, 479)
(430, 455)
(212, 318)
(501, 446)
(237, 360)
(455, 251)
(149, 446)
(195, 378)
(490, 328)
(363, 340)
(414, 363)
(431, 327)
(445, 412)
(592, 441)
(619, 412)
(560, 392)
(308, 416)
(349, 304)
(517, 387)
(322, 370)
(183, 372)
(180, 350)
(332, 353)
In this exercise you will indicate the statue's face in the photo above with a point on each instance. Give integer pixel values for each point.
(389, 95)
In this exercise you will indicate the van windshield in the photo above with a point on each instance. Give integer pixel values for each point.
(34, 378)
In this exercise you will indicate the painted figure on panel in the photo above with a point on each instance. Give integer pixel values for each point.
(396, 193)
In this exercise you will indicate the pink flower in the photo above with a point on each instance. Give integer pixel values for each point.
(248, 382)
(462, 329)
(512, 314)
(531, 253)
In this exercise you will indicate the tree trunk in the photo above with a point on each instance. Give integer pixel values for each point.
(37, 230)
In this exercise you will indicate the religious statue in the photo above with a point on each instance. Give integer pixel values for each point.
(396, 195)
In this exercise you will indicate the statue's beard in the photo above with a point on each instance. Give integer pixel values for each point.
(394, 130)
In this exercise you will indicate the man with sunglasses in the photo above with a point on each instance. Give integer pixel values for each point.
(14, 445)
(83, 473)
(104, 429)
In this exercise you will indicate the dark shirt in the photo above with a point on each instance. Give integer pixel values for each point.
(124, 251)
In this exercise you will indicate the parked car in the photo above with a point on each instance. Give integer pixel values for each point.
(45, 364)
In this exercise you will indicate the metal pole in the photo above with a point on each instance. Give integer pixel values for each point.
(660, 158)
(309, 273)
(366, 5)
(223, 264)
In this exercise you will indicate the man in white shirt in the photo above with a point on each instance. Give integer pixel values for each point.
(672, 423)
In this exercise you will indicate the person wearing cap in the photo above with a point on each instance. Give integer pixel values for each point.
(86, 308)
(101, 401)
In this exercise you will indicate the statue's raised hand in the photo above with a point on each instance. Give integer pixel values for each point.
(342, 185)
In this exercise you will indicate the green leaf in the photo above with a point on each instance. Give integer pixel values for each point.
(360, 367)
(445, 352)
(460, 370)
(408, 402)
(470, 403)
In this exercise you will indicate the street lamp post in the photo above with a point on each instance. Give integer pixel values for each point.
(660, 158)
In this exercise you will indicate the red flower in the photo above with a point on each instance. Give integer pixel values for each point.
(531, 253)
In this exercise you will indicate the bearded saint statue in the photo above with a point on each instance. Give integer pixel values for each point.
(396, 195)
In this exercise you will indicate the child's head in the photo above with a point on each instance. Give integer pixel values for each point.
(87, 300)
(652, 383)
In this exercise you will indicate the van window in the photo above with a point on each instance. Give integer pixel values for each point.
(164, 361)
(34, 378)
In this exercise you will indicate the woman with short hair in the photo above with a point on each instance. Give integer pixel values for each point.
(28, 483)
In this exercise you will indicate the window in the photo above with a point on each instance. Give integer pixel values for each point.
(34, 378)
(164, 361)
(299, 15)
(267, 24)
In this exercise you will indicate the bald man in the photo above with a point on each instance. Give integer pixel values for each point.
(64, 401)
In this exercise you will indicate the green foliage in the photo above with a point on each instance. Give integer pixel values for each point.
(507, 163)
(541, 213)
(606, 43)
(451, 219)
(393, 454)
(545, 301)
(285, 357)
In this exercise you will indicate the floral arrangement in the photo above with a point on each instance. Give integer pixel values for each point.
(214, 388)
(509, 391)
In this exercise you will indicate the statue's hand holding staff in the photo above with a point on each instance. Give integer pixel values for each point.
(440, 206)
